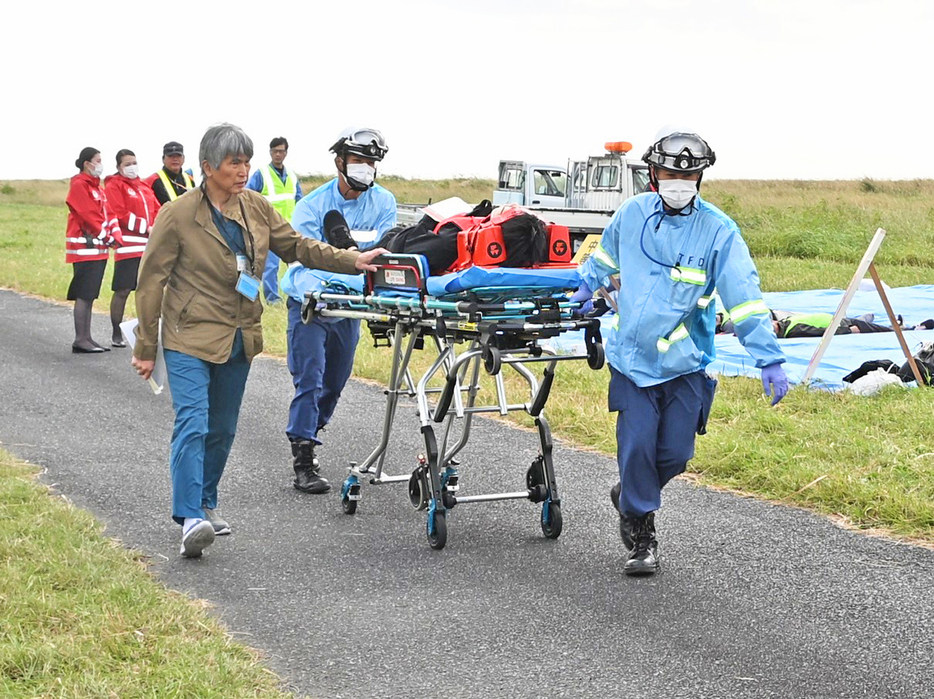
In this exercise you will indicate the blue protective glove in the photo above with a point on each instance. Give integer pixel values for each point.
(773, 375)
(583, 296)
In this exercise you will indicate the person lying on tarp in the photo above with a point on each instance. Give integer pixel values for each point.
(788, 324)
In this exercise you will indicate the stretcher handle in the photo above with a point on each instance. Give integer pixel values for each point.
(541, 396)
(447, 395)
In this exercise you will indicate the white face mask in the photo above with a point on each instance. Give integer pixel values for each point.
(362, 173)
(677, 193)
(97, 170)
(131, 172)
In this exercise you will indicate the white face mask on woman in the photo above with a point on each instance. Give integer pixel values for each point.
(362, 173)
(677, 193)
(97, 170)
(131, 172)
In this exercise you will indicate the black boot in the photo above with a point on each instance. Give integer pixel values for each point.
(625, 523)
(643, 559)
(306, 469)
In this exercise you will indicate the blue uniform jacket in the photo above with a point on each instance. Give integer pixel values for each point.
(666, 318)
(374, 209)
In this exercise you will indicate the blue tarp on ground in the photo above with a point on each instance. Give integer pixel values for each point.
(844, 354)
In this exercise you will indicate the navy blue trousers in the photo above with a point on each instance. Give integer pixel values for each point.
(206, 398)
(320, 358)
(271, 278)
(655, 431)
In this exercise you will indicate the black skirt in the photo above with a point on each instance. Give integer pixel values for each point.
(86, 282)
(125, 272)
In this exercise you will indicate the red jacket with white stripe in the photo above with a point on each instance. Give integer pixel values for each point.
(91, 228)
(134, 206)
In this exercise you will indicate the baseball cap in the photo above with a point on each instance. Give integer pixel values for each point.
(173, 148)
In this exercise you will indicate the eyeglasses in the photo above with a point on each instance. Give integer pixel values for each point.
(279, 151)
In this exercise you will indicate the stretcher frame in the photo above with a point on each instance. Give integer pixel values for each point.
(465, 333)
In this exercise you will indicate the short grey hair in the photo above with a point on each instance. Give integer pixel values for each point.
(222, 140)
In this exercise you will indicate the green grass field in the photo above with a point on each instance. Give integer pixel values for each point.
(81, 617)
(867, 462)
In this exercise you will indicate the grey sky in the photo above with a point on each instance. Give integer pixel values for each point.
(784, 89)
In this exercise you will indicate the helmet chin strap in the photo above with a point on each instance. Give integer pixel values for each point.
(355, 185)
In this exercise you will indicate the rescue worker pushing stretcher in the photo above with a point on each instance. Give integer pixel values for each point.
(672, 249)
(321, 354)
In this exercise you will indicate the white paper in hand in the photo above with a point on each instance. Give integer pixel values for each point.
(157, 380)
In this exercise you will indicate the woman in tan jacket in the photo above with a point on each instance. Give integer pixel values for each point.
(200, 275)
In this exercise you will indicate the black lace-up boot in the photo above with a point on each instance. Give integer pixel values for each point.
(306, 468)
(625, 523)
(643, 559)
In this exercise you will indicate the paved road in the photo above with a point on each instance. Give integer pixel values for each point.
(754, 600)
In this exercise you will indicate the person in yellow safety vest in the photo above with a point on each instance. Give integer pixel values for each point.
(282, 189)
(171, 182)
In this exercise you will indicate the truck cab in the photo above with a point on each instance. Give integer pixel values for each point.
(535, 186)
(600, 183)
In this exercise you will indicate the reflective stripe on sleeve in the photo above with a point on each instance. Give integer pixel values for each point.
(131, 223)
(750, 308)
(86, 251)
(664, 344)
(604, 257)
(143, 225)
(704, 301)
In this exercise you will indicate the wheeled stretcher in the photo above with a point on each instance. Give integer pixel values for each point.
(469, 325)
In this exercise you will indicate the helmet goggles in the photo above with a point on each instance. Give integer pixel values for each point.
(680, 152)
(367, 143)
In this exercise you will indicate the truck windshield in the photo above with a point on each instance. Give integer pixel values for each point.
(640, 180)
(551, 183)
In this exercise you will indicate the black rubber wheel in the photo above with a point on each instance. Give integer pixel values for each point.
(596, 356)
(552, 528)
(348, 506)
(439, 537)
(492, 361)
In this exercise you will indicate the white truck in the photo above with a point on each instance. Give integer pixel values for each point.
(582, 196)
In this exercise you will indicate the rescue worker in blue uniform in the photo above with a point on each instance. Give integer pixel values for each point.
(321, 354)
(672, 250)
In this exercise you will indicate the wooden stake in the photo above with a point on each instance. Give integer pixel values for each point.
(893, 319)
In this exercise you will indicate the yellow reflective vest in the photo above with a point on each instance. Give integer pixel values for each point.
(278, 193)
(169, 185)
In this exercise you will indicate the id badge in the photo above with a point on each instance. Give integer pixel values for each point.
(248, 286)
(242, 263)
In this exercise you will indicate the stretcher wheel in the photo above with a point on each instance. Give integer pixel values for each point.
(437, 534)
(595, 356)
(348, 506)
(419, 489)
(492, 361)
(555, 522)
(308, 311)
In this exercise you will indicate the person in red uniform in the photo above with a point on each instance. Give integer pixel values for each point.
(89, 232)
(132, 203)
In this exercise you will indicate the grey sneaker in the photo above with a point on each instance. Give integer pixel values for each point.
(197, 538)
(220, 524)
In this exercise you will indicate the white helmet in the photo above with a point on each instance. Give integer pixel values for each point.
(367, 143)
(679, 150)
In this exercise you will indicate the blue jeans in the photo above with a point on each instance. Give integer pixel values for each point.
(655, 432)
(271, 278)
(320, 358)
(206, 398)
